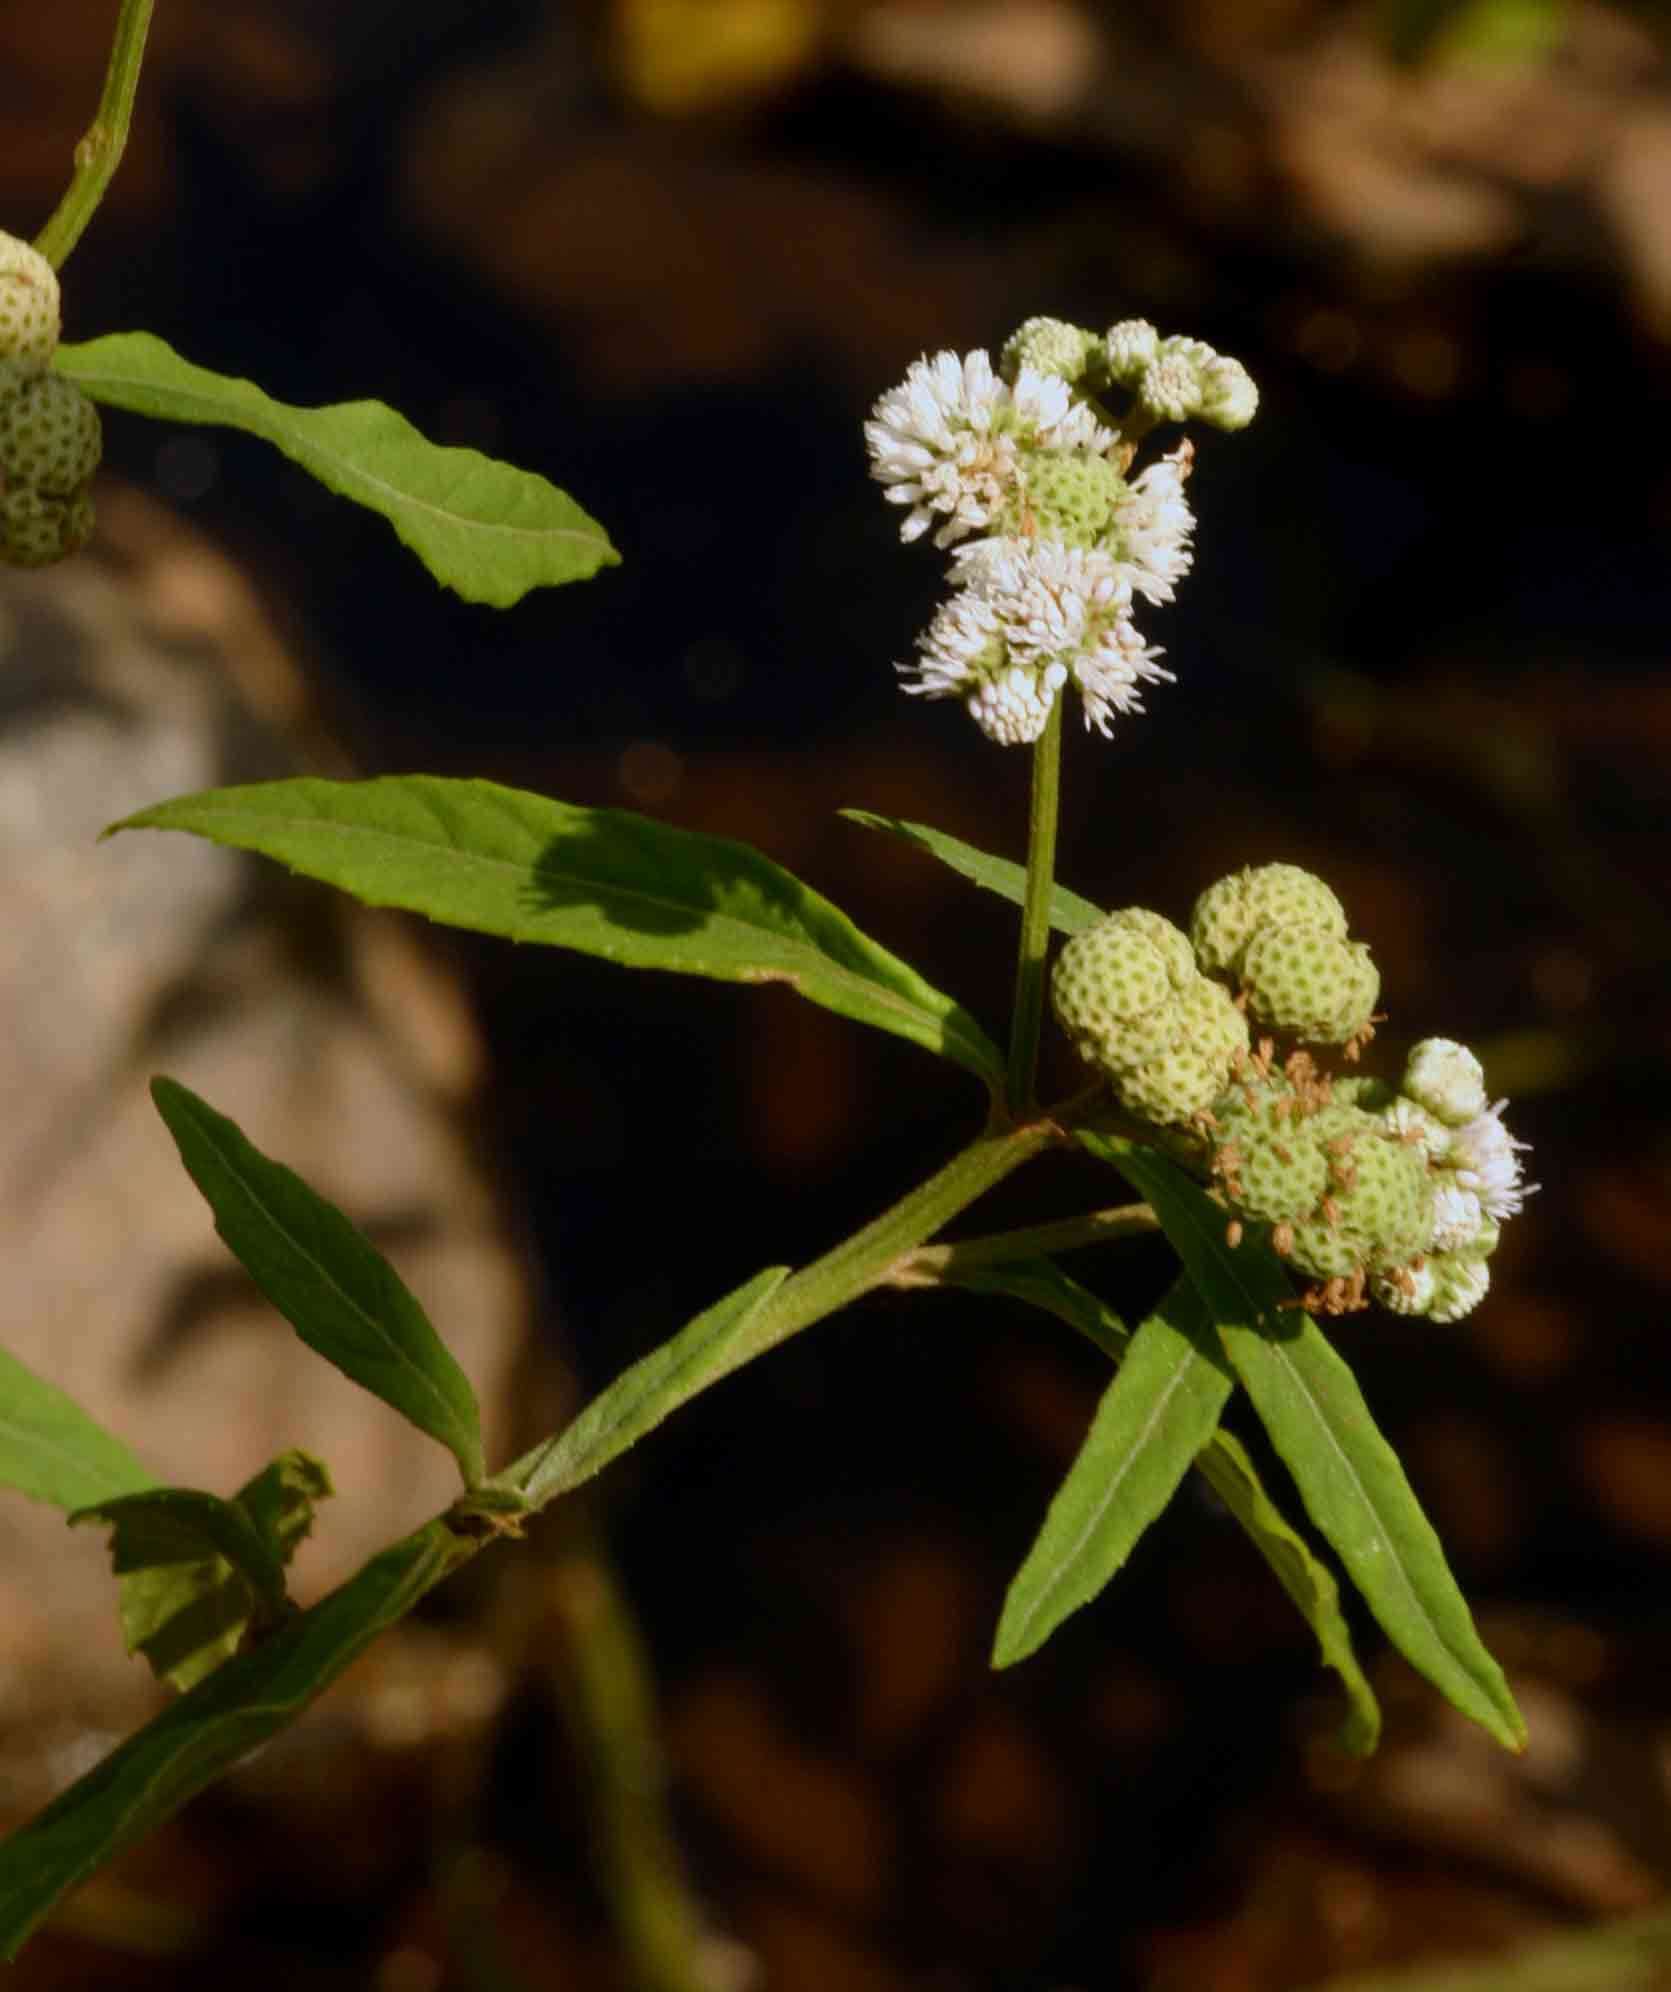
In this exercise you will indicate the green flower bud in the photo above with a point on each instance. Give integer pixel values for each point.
(1130, 346)
(1229, 399)
(1310, 982)
(1170, 388)
(1173, 1087)
(1113, 994)
(1071, 498)
(1048, 346)
(36, 529)
(1447, 1079)
(29, 307)
(1231, 911)
(1386, 1200)
(49, 432)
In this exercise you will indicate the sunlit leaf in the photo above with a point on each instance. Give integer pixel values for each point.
(51, 1450)
(483, 528)
(324, 1276)
(1161, 1408)
(601, 881)
(1350, 1479)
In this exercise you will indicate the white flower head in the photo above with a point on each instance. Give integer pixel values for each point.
(1447, 1079)
(1417, 1128)
(1153, 524)
(1484, 1157)
(1458, 1218)
(1031, 616)
(1460, 1283)
(1405, 1290)
(949, 439)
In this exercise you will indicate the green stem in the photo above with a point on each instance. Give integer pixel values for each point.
(101, 147)
(930, 1264)
(720, 1341)
(1035, 914)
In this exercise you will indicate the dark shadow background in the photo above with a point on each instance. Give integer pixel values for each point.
(667, 253)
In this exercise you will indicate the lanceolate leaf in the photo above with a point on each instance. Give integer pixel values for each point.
(1069, 914)
(51, 1450)
(1157, 1414)
(1309, 1582)
(601, 881)
(1230, 1473)
(488, 530)
(1350, 1479)
(194, 1741)
(326, 1278)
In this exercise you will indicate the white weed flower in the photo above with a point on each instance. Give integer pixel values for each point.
(1484, 1158)
(948, 439)
(1153, 524)
(1030, 616)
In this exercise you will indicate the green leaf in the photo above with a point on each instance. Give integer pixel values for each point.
(325, 1277)
(602, 881)
(1069, 914)
(705, 1349)
(1161, 1408)
(51, 1450)
(1309, 1583)
(196, 1739)
(196, 1572)
(1233, 1477)
(485, 529)
(1349, 1477)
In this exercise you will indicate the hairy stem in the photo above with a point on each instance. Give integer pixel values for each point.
(1035, 914)
(102, 145)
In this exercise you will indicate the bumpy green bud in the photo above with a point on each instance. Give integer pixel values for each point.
(1130, 346)
(36, 529)
(1276, 1173)
(1062, 497)
(29, 308)
(1113, 994)
(1048, 346)
(1447, 1079)
(1310, 982)
(1232, 910)
(1386, 1205)
(1229, 399)
(1169, 942)
(49, 432)
(1209, 1038)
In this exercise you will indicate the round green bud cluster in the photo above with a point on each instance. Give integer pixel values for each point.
(49, 448)
(1178, 379)
(1347, 1200)
(1282, 933)
(1067, 498)
(1310, 983)
(1048, 346)
(29, 308)
(1231, 911)
(1129, 995)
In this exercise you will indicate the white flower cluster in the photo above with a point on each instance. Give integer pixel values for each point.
(1026, 476)
(1442, 1110)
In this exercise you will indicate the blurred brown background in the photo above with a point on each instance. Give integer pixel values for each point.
(667, 252)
